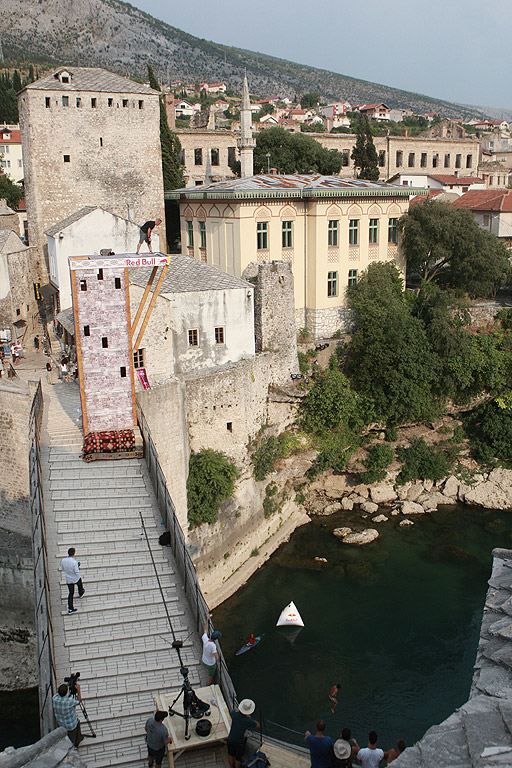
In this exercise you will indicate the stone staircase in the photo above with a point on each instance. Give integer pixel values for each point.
(119, 639)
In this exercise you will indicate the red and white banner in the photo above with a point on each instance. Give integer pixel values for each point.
(143, 378)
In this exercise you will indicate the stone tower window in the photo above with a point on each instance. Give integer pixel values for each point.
(93, 103)
(104, 342)
(215, 156)
(87, 330)
(125, 102)
(117, 282)
(83, 285)
(198, 156)
(138, 358)
(123, 372)
(141, 103)
(78, 102)
(65, 101)
(110, 102)
(47, 102)
(219, 335)
(67, 158)
(101, 141)
(100, 274)
(193, 337)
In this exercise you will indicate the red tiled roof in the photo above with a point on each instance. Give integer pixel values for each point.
(486, 200)
(456, 180)
(15, 135)
(424, 198)
(372, 106)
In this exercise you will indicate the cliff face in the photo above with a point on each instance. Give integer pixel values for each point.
(118, 36)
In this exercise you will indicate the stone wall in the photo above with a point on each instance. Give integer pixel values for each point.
(15, 403)
(18, 272)
(484, 314)
(54, 749)
(326, 322)
(163, 408)
(105, 156)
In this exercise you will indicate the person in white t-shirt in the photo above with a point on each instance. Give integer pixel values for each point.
(210, 655)
(370, 756)
(71, 568)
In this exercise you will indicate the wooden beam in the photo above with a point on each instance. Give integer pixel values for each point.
(151, 305)
(144, 298)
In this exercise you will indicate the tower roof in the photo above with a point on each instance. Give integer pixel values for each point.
(88, 79)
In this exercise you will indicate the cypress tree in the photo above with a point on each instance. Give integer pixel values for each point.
(16, 81)
(153, 82)
(172, 168)
(364, 153)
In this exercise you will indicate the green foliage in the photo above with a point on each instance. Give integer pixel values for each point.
(315, 127)
(272, 448)
(446, 244)
(211, 479)
(504, 316)
(303, 334)
(8, 101)
(10, 192)
(364, 153)
(309, 100)
(505, 401)
(332, 404)
(335, 450)
(378, 459)
(172, 168)
(490, 431)
(153, 82)
(270, 502)
(303, 362)
(294, 153)
(391, 434)
(389, 357)
(422, 462)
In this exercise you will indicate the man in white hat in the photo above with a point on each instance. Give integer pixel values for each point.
(241, 720)
(343, 750)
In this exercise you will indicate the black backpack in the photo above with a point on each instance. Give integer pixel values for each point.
(165, 539)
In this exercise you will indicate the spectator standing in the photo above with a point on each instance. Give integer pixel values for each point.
(49, 371)
(370, 756)
(145, 233)
(36, 343)
(241, 720)
(320, 746)
(395, 752)
(64, 708)
(343, 750)
(157, 737)
(210, 655)
(71, 568)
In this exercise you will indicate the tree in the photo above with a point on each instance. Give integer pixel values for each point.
(211, 479)
(153, 82)
(446, 244)
(10, 192)
(172, 167)
(364, 153)
(294, 153)
(309, 100)
(16, 81)
(389, 357)
(8, 102)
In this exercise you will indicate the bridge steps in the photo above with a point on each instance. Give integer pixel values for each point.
(117, 638)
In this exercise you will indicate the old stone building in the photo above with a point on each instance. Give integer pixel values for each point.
(18, 273)
(90, 137)
(329, 229)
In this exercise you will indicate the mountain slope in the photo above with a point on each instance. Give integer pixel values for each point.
(117, 36)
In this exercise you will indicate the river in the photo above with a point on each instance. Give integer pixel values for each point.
(396, 622)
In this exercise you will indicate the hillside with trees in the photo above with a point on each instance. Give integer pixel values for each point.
(120, 37)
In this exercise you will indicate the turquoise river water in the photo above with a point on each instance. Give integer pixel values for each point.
(396, 622)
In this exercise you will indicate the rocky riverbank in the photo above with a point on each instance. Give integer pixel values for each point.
(379, 502)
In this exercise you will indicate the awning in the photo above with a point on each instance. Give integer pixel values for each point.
(47, 291)
(19, 323)
(67, 320)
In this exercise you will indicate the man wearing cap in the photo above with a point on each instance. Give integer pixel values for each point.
(210, 655)
(240, 720)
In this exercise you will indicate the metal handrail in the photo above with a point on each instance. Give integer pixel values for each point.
(44, 626)
(184, 563)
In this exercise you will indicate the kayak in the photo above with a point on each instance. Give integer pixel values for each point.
(247, 646)
(290, 617)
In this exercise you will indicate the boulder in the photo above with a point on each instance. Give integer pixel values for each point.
(331, 508)
(361, 490)
(383, 494)
(334, 486)
(356, 499)
(405, 523)
(347, 504)
(428, 485)
(502, 477)
(434, 499)
(402, 491)
(495, 493)
(340, 533)
(463, 489)
(451, 487)
(370, 507)
(380, 519)
(415, 492)
(363, 537)
(412, 508)
(395, 512)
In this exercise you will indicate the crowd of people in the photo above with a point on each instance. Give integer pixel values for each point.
(346, 752)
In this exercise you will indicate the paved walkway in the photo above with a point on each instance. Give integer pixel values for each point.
(119, 638)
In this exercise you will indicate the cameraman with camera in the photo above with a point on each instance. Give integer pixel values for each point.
(65, 702)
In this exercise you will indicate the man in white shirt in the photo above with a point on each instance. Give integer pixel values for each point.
(370, 756)
(210, 655)
(71, 568)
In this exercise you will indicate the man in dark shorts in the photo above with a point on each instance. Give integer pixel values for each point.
(145, 233)
(157, 737)
(240, 721)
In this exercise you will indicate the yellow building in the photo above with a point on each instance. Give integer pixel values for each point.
(329, 228)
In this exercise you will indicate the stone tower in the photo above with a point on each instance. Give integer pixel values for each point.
(90, 137)
(246, 143)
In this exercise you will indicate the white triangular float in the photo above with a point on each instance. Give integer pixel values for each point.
(290, 617)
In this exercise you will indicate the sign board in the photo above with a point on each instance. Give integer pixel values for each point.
(121, 260)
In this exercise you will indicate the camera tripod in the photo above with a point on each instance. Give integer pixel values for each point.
(72, 681)
(192, 705)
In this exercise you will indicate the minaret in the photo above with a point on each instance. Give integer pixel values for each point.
(246, 143)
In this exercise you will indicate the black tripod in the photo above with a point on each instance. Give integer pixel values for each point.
(192, 705)
(72, 680)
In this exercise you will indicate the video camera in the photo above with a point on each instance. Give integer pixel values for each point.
(72, 681)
